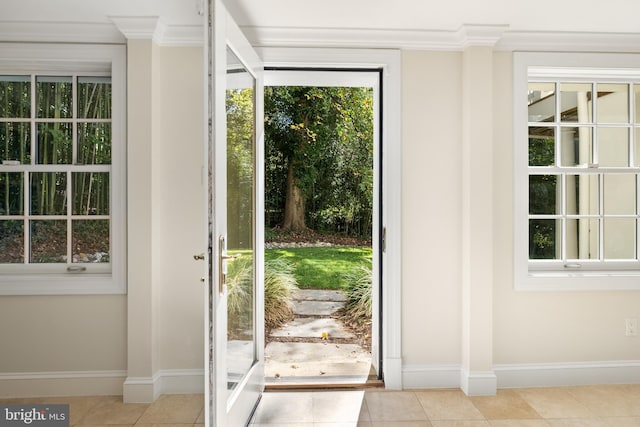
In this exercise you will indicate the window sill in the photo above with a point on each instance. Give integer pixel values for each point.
(61, 284)
(579, 281)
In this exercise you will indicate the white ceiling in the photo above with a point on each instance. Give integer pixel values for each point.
(356, 21)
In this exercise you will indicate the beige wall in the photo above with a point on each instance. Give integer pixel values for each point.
(62, 333)
(178, 226)
(432, 203)
(528, 327)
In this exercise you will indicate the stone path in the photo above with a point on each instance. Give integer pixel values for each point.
(315, 345)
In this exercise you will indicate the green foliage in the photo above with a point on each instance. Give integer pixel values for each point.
(279, 285)
(322, 267)
(326, 134)
(358, 291)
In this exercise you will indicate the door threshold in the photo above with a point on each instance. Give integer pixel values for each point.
(323, 382)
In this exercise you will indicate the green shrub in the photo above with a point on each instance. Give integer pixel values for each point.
(279, 285)
(358, 291)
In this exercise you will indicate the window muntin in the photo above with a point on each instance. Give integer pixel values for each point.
(55, 133)
(583, 173)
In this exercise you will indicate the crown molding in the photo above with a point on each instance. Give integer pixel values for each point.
(121, 29)
(59, 32)
(497, 36)
(500, 37)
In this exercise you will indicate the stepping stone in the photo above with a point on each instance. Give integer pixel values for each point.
(316, 308)
(300, 352)
(309, 327)
(319, 295)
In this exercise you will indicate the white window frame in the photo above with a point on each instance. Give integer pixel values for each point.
(67, 59)
(562, 67)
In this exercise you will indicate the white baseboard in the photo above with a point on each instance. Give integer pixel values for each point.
(431, 376)
(478, 383)
(102, 383)
(568, 374)
(74, 383)
(393, 377)
(166, 381)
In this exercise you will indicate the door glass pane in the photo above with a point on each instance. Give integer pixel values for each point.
(240, 99)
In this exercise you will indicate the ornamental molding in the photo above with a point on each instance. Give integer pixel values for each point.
(499, 37)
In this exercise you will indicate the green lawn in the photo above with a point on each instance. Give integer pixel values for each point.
(322, 267)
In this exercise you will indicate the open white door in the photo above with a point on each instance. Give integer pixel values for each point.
(234, 310)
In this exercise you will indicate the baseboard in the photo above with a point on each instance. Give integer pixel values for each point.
(431, 376)
(392, 372)
(66, 383)
(567, 374)
(166, 381)
(474, 383)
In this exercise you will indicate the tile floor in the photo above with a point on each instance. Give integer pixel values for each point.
(597, 406)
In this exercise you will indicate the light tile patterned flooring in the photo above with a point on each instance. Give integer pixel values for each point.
(597, 406)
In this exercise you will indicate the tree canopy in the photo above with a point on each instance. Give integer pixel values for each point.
(319, 159)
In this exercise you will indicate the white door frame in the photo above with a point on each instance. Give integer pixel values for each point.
(389, 62)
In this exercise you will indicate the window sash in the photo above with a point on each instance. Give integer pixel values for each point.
(93, 62)
(568, 271)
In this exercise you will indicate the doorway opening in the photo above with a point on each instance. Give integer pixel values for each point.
(323, 226)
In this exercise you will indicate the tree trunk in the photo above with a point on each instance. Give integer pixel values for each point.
(294, 204)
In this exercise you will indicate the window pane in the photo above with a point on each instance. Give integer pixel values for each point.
(576, 146)
(94, 97)
(15, 96)
(619, 194)
(11, 242)
(583, 195)
(542, 102)
(94, 143)
(613, 147)
(543, 197)
(636, 90)
(11, 193)
(541, 146)
(15, 142)
(613, 103)
(636, 148)
(48, 241)
(90, 193)
(54, 97)
(54, 144)
(91, 241)
(619, 238)
(583, 237)
(575, 102)
(48, 193)
(544, 239)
